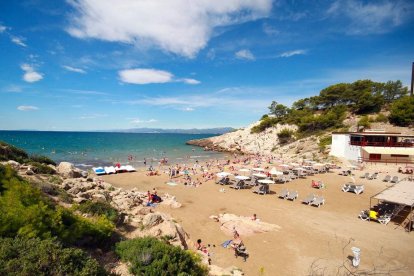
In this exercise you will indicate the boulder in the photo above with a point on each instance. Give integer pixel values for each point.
(152, 219)
(14, 164)
(67, 170)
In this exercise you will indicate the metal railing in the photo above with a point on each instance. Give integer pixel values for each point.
(381, 144)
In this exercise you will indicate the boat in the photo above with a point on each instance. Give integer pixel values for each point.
(110, 170)
(99, 170)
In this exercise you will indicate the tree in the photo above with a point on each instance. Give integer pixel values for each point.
(402, 111)
(394, 90)
(279, 110)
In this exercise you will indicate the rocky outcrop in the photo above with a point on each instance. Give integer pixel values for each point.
(67, 170)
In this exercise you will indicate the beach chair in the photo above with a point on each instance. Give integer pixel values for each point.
(373, 176)
(364, 215)
(385, 219)
(261, 189)
(346, 187)
(309, 199)
(387, 178)
(239, 185)
(284, 193)
(366, 175)
(292, 196)
(318, 201)
(394, 179)
(357, 189)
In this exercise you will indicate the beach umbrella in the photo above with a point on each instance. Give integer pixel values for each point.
(294, 164)
(244, 170)
(241, 177)
(258, 169)
(266, 181)
(299, 169)
(318, 165)
(260, 175)
(273, 171)
(223, 174)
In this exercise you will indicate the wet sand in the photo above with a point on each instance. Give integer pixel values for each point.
(310, 240)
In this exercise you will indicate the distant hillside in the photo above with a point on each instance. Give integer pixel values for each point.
(180, 131)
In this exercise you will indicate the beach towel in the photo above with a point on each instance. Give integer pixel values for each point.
(226, 243)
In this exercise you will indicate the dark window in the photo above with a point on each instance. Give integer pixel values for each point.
(399, 155)
(375, 157)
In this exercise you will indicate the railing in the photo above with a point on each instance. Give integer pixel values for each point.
(381, 144)
(395, 160)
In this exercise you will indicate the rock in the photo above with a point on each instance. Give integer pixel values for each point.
(14, 164)
(99, 197)
(79, 200)
(29, 171)
(219, 271)
(152, 219)
(67, 170)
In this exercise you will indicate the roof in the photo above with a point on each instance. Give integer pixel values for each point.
(398, 134)
(390, 150)
(401, 193)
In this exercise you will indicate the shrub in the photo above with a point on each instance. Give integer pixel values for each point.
(149, 256)
(264, 124)
(22, 256)
(381, 118)
(24, 211)
(10, 152)
(285, 136)
(99, 208)
(364, 122)
(402, 111)
(42, 159)
(324, 141)
(41, 168)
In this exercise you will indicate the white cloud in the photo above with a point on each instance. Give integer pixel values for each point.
(13, 88)
(190, 81)
(245, 54)
(373, 17)
(18, 41)
(2, 28)
(147, 76)
(178, 26)
(30, 74)
(293, 53)
(74, 69)
(139, 121)
(27, 108)
(84, 92)
(270, 30)
(92, 116)
(188, 109)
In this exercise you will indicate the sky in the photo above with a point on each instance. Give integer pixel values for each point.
(118, 64)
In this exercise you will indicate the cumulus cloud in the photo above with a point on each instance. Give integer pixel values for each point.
(371, 17)
(245, 54)
(27, 108)
(147, 76)
(2, 28)
(292, 53)
(18, 41)
(30, 74)
(176, 26)
(74, 69)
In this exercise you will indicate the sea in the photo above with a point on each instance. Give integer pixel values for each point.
(89, 149)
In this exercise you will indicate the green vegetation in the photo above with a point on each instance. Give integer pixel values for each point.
(324, 141)
(402, 112)
(285, 135)
(21, 256)
(99, 208)
(10, 152)
(40, 168)
(149, 256)
(364, 122)
(328, 110)
(26, 212)
(381, 118)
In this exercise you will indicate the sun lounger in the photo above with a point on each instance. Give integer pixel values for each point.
(387, 178)
(318, 201)
(292, 196)
(110, 170)
(284, 193)
(372, 215)
(394, 179)
(261, 189)
(349, 187)
(129, 168)
(366, 175)
(373, 176)
(239, 185)
(309, 199)
(99, 170)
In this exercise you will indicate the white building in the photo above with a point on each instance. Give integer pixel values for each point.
(373, 146)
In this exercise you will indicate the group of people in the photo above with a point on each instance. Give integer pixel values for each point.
(153, 197)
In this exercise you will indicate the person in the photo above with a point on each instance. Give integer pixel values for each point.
(254, 217)
(400, 170)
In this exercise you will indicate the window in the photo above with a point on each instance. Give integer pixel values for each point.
(399, 155)
(375, 157)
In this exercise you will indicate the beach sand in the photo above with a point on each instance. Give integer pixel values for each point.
(309, 240)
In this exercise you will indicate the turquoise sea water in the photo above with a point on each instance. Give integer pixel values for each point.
(86, 149)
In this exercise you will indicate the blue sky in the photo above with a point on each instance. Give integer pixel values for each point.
(116, 64)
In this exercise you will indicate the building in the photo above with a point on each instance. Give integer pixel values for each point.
(373, 146)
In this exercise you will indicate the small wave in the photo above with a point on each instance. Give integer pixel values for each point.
(83, 165)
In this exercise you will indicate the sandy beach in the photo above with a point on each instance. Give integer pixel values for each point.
(310, 240)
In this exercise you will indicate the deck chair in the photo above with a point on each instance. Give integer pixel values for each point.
(387, 178)
(284, 193)
(373, 176)
(261, 189)
(346, 187)
(292, 196)
(239, 185)
(364, 215)
(358, 189)
(384, 219)
(394, 179)
(309, 199)
(318, 201)
(366, 175)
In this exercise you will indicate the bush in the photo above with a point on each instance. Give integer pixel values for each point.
(24, 211)
(42, 159)
(364, 122)
(41, 168)
(381, 118)
(10, 152)
(149, 256)
(22, 256)
(285, 136)
(323, 142)
(402, 112)
(264, 124)
(99, 208)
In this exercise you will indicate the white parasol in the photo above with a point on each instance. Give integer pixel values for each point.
(223, 174)
(258, 169)
(244, 170)
(260, 175)
(242, 177)
(266, 181)
(273, 171)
